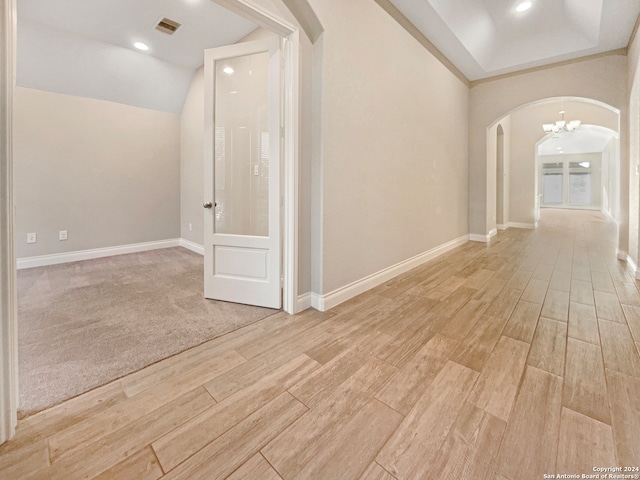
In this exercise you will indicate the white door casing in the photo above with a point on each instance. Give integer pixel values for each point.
(242, 220)
(8, 304)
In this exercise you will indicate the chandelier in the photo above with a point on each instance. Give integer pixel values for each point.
(561, 125)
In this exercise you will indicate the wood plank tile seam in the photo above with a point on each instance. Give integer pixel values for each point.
(500, 361)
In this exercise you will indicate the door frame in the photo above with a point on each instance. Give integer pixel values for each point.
(8, 309)
(289, 179)
(290, 146)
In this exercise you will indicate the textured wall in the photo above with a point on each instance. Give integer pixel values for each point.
(108, 173)
(393, 144)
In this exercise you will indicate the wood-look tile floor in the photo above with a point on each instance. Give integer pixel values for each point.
(502, 361)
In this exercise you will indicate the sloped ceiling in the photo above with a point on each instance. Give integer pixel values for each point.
(587, 139)
(85, 48)
(485, 38)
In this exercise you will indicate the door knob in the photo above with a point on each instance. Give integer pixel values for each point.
(207, 205)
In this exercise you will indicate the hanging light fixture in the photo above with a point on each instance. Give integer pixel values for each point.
(560, 125)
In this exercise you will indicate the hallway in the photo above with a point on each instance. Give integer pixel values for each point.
(502, 361)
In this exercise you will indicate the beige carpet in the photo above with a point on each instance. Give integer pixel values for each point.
(84, 324)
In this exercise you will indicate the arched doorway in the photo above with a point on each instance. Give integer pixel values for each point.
(520, 140)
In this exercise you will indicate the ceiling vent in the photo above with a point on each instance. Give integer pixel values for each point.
(168, 26)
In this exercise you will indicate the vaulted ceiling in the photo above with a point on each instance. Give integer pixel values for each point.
(86, 48)
(485, 38)
(204, 24)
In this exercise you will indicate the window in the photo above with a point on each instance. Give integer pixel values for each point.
(552, 188)
(580, 183)
(580, 188)
(552, 180)
(568, 182)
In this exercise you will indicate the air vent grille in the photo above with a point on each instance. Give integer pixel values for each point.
(168, 26)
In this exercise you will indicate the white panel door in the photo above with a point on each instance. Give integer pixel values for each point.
(242, 173)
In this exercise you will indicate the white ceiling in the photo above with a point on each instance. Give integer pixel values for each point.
(484, 38)
(122, 22)
(587, 139)
(85, 47)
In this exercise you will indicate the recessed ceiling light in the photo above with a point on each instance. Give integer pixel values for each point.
(141, 46)
(227, 70)
(524, 6)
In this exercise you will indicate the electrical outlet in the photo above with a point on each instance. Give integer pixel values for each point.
(62, 235)
(190, 228)
(32, 238)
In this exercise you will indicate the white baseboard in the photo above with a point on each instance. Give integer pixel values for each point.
(317, 302)
(304, 302)
(632, 267)
(194, 247)
(502, 226)
(342, 294)
(58, 258)
(475, 237)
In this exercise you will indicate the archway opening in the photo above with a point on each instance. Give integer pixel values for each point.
(516, 194)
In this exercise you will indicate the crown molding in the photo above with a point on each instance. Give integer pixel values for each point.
(619, 51)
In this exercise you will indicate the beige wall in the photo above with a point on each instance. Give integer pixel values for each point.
(392, 144)
(601, 79)
(107, 173)
(191, 161)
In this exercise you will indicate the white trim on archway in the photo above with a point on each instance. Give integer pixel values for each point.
(558, 99)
